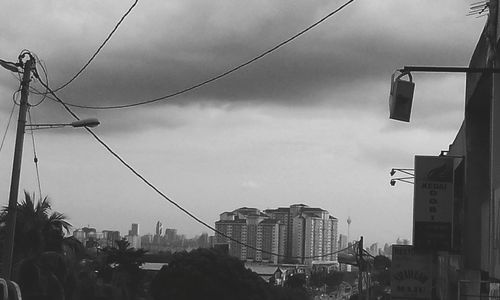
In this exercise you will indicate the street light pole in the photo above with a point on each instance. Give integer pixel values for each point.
(16, 170)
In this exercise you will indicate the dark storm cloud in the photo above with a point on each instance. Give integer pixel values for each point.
(164, 47)
(289, 75)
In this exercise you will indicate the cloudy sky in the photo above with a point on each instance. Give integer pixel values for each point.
(307, 123)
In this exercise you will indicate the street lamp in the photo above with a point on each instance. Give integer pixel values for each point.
(90, 122)
(406, 171)
(402, 179)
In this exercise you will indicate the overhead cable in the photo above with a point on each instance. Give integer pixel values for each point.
(234, 69)
(35, 156)
(98, 49)
(8, 124)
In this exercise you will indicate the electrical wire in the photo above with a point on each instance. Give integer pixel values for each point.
(35, 157)
(98, 49)
(159, 192)
(234, 69)
(14, 96)
(8, 124)
(35, 91)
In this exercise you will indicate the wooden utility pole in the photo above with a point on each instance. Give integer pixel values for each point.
(16, 170)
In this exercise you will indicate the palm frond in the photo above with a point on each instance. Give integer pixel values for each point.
(60, 220)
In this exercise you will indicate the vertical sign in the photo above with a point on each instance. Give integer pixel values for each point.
(433, 202)
(411, 274)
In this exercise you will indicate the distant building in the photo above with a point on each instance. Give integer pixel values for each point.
(400, 241)
(204, 240)
(170, 235)
(342, 241)
(88, 230)
(299, 233)
(110, 237)
(343, 244)
(80, 235)
(311, 233)
(134, 240)
(133, 236)
(90, 238)
(387, 251)
(373, 250)
(250, 227)
(134, 230)
(147, 239)
(157, 239)
(159, 228)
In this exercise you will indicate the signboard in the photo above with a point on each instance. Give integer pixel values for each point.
(433, 202)
(401, 98)
(411, 274)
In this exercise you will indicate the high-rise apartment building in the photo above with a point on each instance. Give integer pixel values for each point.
(296, 233)
(310, 233)
(253, 235)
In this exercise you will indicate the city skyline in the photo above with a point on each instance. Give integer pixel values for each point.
(307, 123)
(194, 234)
(166, 230)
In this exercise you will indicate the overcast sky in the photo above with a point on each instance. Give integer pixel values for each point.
(307, 123)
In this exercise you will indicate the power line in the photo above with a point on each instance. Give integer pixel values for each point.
(159, 192)
(98, 49)
(8, 124)
(198, 85)
(35, 157)
(36, 91)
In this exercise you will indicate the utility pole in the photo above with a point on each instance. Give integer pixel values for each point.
(360, 268)
(16, 169)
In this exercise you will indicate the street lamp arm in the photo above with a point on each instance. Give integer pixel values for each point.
(407, 171)
(90, 122)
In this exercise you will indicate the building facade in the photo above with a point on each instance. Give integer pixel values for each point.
(472, 260)
(297, 234)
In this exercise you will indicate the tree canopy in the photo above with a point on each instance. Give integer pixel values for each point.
(212, 274)
(38, 229)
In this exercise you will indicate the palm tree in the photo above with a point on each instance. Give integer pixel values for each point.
(122, 268)
(40, 267)
(37, 228)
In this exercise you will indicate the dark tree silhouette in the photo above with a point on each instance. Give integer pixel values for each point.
(296, 281)
(211, 274)
(37, 229)
(334, 279)
(40, 266)
(122, 267)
